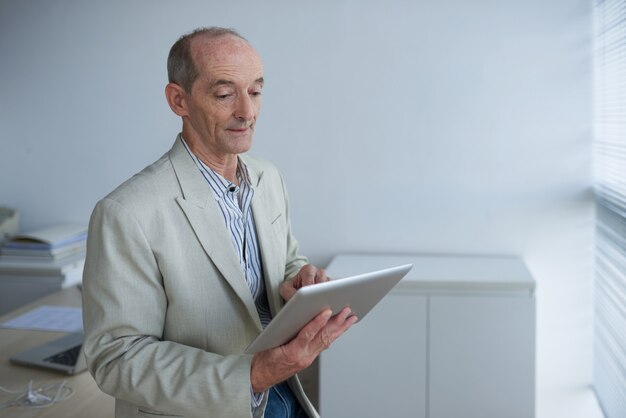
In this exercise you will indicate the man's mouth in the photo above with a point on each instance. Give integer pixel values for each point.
(239, 129)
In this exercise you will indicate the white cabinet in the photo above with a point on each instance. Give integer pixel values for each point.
(356, 380)
(455, 338)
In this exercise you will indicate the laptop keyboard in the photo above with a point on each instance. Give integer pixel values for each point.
(67, 357)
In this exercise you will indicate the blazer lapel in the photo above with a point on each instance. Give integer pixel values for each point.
(203, 213)
(264, 218)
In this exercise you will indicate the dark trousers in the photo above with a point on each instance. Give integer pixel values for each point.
(282, 403)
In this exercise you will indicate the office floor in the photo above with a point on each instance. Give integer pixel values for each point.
(569, 402)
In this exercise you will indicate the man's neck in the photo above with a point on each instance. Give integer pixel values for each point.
(225, 166)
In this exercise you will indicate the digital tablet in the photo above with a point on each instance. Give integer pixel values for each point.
(360, 293)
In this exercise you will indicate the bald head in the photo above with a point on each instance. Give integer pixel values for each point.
(182, 68)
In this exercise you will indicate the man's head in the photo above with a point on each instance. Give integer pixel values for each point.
(181, 68)
(216, 78)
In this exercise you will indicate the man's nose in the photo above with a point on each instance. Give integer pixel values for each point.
(244, 108)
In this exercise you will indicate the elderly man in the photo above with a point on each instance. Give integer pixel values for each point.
(188, 260)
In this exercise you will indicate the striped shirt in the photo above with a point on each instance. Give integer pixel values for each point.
(234, 203)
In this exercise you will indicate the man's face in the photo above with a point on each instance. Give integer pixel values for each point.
(225, 97)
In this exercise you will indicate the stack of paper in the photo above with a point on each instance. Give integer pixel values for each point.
(48, 318)
(37, 263)
(50, 243)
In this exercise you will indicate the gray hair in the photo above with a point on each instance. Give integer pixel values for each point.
(181, 68)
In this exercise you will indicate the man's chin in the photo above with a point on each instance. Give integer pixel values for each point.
(241, 145)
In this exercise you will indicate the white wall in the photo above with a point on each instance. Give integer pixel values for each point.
(400, 126)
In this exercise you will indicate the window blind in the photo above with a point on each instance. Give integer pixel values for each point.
(610, 189)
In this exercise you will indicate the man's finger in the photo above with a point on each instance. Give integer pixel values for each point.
(306, 276)
(310, 330)
(320, 276)
(335, 328)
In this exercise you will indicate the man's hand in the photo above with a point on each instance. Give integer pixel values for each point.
(275, 365)
(308, 275)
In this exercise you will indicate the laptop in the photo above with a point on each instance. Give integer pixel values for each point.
(62, 355)
(360, 293)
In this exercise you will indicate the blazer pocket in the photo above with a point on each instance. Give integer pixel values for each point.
(156, 414)
(279, 225)
(277, 218)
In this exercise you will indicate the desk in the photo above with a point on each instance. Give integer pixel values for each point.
(87, 400)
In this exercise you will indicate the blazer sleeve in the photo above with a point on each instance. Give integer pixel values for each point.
(124, 308)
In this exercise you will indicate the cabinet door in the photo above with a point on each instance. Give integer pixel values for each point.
(482, 362)
(378, 368)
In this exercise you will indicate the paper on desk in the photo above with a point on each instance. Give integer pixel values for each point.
(49, 318)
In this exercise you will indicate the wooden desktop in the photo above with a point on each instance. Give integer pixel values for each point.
(87, 401)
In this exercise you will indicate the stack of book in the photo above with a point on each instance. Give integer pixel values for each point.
(36, 263)
(47, 244)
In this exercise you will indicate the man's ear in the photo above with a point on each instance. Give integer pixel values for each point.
(177, 99)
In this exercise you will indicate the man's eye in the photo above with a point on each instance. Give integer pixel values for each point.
(223, 94)
(255, 93)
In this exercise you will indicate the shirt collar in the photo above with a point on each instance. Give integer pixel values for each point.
(219, 184)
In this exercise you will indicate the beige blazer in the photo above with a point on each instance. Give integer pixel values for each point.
(167, 310)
